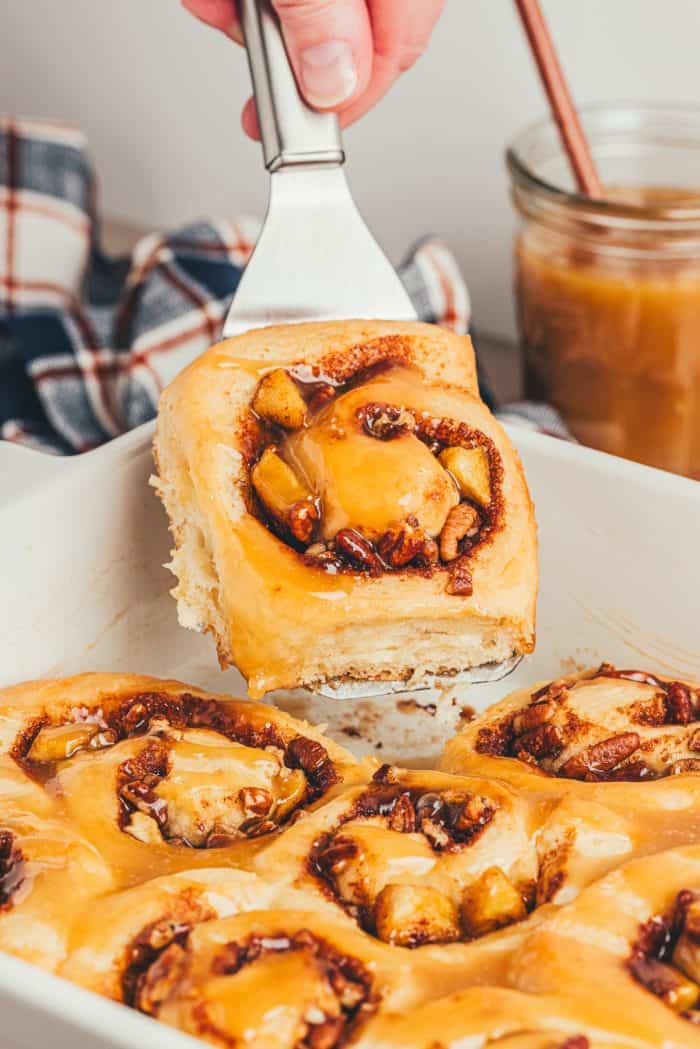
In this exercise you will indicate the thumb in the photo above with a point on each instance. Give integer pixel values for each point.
(330, 48)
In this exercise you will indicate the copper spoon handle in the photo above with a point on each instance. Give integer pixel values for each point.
(560, 100)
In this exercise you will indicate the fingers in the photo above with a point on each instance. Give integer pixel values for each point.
(346, 54)
(249, 120)
(221, 14)
(330, 48)
(401, 32)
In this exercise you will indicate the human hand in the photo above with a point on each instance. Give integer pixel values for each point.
(346, 54)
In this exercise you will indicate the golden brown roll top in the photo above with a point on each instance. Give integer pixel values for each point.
(336, 488)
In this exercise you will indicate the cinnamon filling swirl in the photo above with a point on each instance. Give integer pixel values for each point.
(410, 912)
(355, 479)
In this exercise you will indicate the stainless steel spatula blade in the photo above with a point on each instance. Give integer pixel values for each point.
(315, 258)
(486, 673)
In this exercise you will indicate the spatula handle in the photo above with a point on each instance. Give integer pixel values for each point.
(292, 133)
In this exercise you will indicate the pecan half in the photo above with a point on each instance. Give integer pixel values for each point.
(302, 520)
(160, 980)
(386, 421)
(476, 812)
(679, 704)
(312, 758)
(352, 546)
(658, 977)
(463, 522)
(405, 543)
(461, 583)
(436, 834)
(533, 716)
(554, 690)
(319, 556)
(12, 868)
(332, 856)
(256, 801)
(684, 765)
(403, 818)
(543, 741)
(602, 757)
(140, 795)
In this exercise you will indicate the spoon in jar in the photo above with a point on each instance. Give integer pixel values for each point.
(561, 103)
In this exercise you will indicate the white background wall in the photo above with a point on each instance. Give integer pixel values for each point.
(159, 98)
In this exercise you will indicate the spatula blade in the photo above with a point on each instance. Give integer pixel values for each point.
(315, 259)
(479, 675)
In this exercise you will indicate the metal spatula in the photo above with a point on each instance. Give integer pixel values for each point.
(315, 258)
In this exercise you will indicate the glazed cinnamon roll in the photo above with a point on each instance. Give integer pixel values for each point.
(345, 507)
(283, 979)
(416, 857)
(49, 874)
(633, 935)
(602, 725)
(123, 934)
(148, 768)
(613, 748)
(489, 1018)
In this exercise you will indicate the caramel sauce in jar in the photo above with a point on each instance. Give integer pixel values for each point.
(608, 292)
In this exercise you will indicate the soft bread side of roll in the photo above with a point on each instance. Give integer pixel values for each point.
(285, 624)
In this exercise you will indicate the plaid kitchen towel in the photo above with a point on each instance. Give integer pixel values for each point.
(86, 342)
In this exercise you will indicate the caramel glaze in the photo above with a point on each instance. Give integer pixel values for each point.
(370, 478)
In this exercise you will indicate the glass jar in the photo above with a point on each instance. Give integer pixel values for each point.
(608, 292)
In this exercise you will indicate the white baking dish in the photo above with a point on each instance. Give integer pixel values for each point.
(83, 542)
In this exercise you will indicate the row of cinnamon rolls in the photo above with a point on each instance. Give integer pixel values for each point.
(232, 872)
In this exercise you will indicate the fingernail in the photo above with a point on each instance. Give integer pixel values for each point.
(328, 73)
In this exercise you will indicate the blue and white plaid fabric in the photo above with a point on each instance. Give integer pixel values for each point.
(87, 342)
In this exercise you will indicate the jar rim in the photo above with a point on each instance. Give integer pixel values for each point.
(665, 122)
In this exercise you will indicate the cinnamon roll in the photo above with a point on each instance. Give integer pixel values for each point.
(147, 768)
(613, 748)
(49, 874)
(602, 725)
(122, 935)
(489, 1018)
(345, 507)
(283, 979)
(627, 949)
(416, 857)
